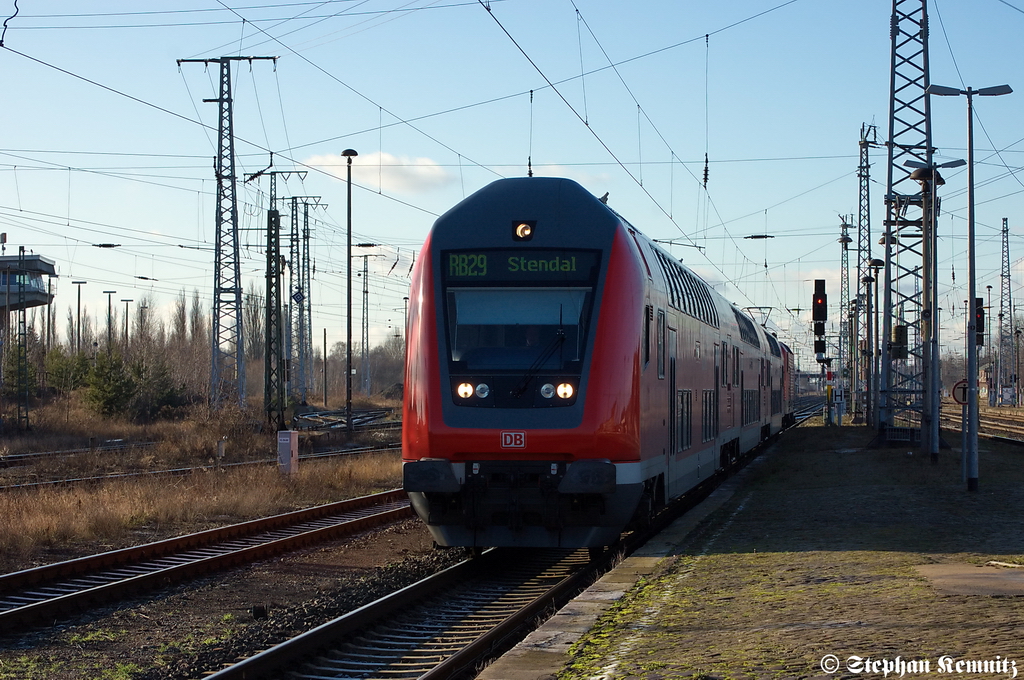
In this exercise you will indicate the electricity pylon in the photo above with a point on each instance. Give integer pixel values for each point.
(905, 402)
(227, 371)
(864, 351)
(298, 329)
(274, 402)
(1007, 381)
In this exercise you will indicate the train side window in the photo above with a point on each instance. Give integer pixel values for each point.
(647, 335)
(661, 343)
(725, 363)
(684, 412)
(736, 364)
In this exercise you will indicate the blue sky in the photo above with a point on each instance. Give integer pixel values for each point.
(435, 95)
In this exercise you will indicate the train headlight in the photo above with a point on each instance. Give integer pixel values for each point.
(565, 390)
(465, 390)
(523, 230)
(482, 390)
(547, 390)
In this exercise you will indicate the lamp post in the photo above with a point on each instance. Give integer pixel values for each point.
(78, 322)
(875, 264)
(126, 322)
(930, 180)
(867, 280)
(971, 452)
(348, 154)
(110, 319)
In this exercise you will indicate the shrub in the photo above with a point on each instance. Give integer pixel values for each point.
(111, 387)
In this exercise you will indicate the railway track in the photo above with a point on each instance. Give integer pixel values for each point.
(53, 591)
(315, 455)
(1005, 425)
(108, 446)
(434, 628)
(454, 620)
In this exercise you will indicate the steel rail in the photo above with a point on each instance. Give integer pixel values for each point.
(178, 472)
(363, 643)
(51, 591)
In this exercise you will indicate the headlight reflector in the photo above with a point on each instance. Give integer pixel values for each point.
(482, 390)
(547, 390)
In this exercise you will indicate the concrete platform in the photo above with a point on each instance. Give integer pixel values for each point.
(545, 652)
(823, 555)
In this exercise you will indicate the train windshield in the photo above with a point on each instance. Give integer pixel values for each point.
(528, 328)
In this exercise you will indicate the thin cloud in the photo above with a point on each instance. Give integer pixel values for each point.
(392, 174)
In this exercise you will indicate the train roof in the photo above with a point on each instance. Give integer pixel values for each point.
(583, 220)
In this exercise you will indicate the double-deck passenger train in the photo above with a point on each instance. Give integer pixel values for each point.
(566, 376)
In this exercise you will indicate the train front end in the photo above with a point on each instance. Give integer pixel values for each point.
(521, 412)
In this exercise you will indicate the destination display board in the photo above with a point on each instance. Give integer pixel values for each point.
(494, 265)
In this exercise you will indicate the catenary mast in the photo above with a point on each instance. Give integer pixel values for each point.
(227, 371)
(908, 239)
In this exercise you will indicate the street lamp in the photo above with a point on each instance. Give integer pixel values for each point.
(78, 323)
(971, 452)
(875, 264)
(867, 280)
(930, 179)
(110, 317)
(348, 154)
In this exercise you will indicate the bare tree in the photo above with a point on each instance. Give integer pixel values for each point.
(179, 320)
(253, 315)
(198, 332)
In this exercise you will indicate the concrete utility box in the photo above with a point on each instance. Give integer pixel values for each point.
(288, 452)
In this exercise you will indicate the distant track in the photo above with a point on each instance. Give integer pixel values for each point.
(1006, 425)
(53, 591)
(331, 453)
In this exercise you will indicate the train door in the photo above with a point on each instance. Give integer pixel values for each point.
(719, 359)
(673, 409)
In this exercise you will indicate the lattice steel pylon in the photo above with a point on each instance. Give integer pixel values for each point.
(273, 379)
(906, 351)
(846, 314)
(863, 349)
(1007, 366)
(274, 399)
(299, 343)
(306, 351)
(227, 370)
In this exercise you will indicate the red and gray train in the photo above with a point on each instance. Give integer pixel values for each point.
(566, 376)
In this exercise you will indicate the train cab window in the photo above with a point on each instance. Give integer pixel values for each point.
(661, 343)
(517, 328)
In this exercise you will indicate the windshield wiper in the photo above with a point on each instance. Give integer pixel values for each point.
(535, 367)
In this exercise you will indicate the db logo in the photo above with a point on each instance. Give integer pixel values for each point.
(513, 440)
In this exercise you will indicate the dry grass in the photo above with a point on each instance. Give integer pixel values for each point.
(40, 525)
(48, 524)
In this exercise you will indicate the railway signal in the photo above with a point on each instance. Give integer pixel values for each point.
(979, 321)
(819, 308)
(819, 313)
